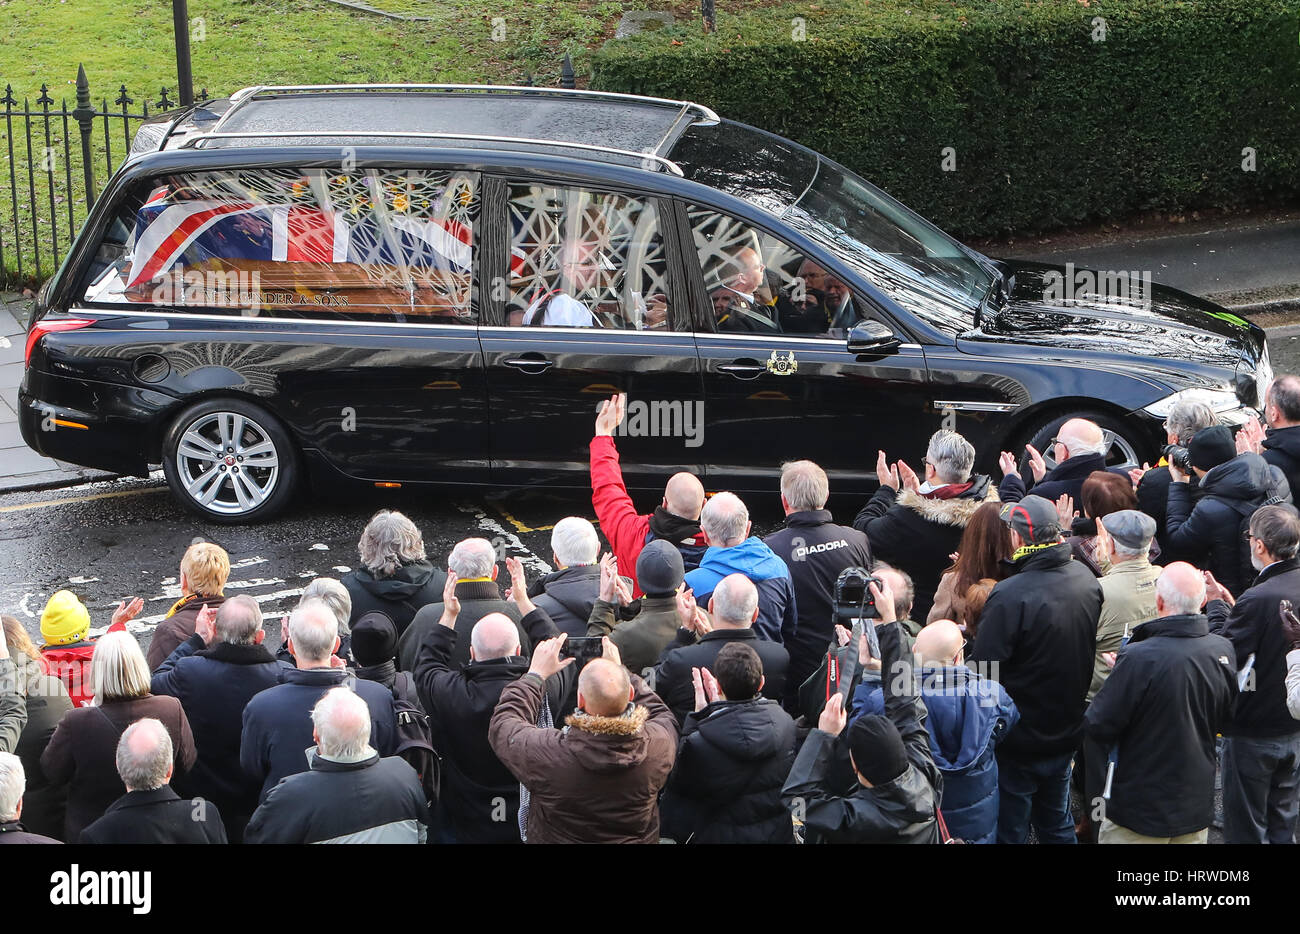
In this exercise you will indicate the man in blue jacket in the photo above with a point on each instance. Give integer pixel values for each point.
(732, 550)
(277, 729)
(214, 674)
(967, 717)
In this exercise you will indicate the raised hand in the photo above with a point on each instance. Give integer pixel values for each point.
(1007, 463)
(908, 478)
(1037, 465)
(546, 657)
(450, 602)
(205, 624)
(126, 612)
(518, 589)
(1065, 510)
(888, 476)
(833, 716)
(610, 415)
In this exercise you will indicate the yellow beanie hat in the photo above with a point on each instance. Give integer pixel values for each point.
(65, 619)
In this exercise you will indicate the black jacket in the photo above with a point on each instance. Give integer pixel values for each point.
(460, 702)
(214, 685)
(732, 760)
(672, 678)
(160, 816)
(815, 550)
(1065, 477)
(1039, 628)
(12, 831)
(916, 534)
(1153, 499)
(277, 728)
(401, 596)
(1209, 533)
(900, 811)
(1254, 627)
(382, 802)
(47, 702)
(1282, 450)
(477, 599)
(1171, 692)
(567, 596)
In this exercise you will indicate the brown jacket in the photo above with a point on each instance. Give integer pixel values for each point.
(175, 629)
(598, 780)
(82, 754)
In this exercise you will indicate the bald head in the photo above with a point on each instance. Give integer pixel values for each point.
(939, 644)
(1180, 590)
(684, 495)
(604, 689)
(494, 636)
(1081, 436)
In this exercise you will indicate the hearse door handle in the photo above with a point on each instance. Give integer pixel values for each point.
(530, 363)
(743, 369)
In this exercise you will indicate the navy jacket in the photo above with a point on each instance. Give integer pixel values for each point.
(214, 685)
(778, 613)
(277, 728)
(1065, 477)
(672, 679)
(1209, 533)
(1282, 450)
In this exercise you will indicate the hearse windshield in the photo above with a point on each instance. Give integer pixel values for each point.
(910, 260)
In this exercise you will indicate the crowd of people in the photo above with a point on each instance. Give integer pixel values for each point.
(699, 684)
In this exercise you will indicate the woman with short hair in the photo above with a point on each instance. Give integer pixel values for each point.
(82, 753)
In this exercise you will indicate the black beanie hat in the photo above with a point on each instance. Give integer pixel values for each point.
(877, 749)
(374, 639)
(659, 568)
(1211, 447)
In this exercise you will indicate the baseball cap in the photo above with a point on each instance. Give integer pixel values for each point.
(1034, 519)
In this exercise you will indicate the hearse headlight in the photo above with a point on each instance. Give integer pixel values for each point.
(1222, 401)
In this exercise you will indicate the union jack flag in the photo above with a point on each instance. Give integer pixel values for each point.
(189, 232)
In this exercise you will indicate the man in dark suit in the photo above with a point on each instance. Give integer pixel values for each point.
(150, 812)
(733, 607)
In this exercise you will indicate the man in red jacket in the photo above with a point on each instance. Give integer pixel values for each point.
(675, 520)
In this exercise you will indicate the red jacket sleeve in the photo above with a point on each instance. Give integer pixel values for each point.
(623, 527)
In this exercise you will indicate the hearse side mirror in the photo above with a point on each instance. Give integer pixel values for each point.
(872, 337)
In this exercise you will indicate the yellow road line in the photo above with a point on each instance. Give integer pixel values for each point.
(21, 507)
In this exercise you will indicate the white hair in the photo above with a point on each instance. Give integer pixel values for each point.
(474, 557)
(804, 485)
(951, 456)
(574, 541)
(13, 782)
(144, 755)
(334, 595)
(735, 599)
(118, 670)
(724, 518)
(342, 722)
(389, 541)
(313, 629)
(1180, 602)
(239, 620)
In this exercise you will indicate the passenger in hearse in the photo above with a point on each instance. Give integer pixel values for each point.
(580, 265)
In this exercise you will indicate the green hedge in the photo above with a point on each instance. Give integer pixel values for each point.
(1050, 127)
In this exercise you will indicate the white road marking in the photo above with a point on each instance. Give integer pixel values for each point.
(498, 536)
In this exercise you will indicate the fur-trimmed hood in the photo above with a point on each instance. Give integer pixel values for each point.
(628, 723)
(956, 511)
(608, 744)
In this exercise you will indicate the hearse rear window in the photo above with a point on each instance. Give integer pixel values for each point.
(372, 245)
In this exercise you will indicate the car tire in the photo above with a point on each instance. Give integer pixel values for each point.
(1129, 448)
(230, 462)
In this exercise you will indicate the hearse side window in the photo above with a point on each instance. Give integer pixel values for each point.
(585, 259)
(760, 285)
(372, 245)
